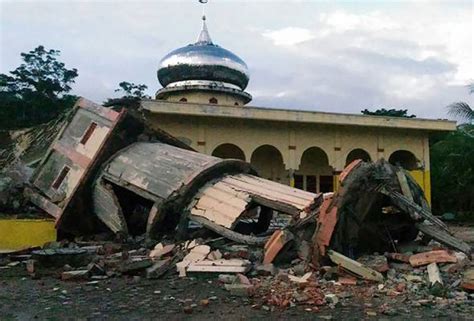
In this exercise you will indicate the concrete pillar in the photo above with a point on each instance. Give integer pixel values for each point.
(339, 161)
(201, 141)
(291, 176)
(380, 146)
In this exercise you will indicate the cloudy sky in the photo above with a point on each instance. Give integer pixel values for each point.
(340, 56)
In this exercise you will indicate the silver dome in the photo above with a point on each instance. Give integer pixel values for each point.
(203, 60)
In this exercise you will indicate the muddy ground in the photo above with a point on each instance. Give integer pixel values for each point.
(136, 298)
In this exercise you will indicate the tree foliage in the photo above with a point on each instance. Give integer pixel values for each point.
(131, 95)
(388, 112)
(452, 172)
(462, 110)
(36, 91)
(131, 90)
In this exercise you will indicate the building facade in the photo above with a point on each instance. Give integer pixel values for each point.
(204, 104)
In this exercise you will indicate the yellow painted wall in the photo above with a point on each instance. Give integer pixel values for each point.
(17, 234)
(205, 133)
(423, 179)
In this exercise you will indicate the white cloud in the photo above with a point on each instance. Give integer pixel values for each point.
(342, 21)
(289, 36)
(332, 56)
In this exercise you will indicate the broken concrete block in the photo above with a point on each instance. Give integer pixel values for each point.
(299, 269)
(377, 262)
(161, 250)
(398, 257)
(347, 280)
(220, 266)
(326, 223)
(92, 249)
(355, 267)
(158, 268)
(181, 268)
(111, 248)
(463, 260)
(433, 274)
(197, 253)
(467, 282)
(330, 272)
(30, 266)
(191, 244)
(275, 244)
(60, 257)
(413, 278)
(438, 256)
(215, 255)
(227, 278)
(331, 299)
(303, 279)
(95, 269)
(77, 275)
(242, 279)
(304, 251)
(131, 266)
(266, 269)
(400, 266)
(244, 290)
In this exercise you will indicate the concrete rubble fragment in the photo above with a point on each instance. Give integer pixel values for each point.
(275, 244)
(439, 256)
(355, 267)
(467, 282)
(433, 274)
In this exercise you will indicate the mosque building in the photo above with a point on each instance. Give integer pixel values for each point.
(203, 102)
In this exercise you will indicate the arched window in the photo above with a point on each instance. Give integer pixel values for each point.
(357, 153)
(314, 173)
(213, 100)
(404, 159)
(268, 162)
(184, 100)
(229, 151)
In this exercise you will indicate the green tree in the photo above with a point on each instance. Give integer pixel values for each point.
(131, 90)
(131, 95)
(388, 112)
(452, 172)
(462, 110)
(36, 91)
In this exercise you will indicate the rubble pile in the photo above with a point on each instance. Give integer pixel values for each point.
(405, 276)
(165, 211)
(13, 203)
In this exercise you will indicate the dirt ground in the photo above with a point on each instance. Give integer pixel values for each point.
(136, 298)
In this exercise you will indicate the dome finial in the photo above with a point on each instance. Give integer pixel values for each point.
(204, 37)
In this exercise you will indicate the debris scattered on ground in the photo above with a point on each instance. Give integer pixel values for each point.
(168, 211)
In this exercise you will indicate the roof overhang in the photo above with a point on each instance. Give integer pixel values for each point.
(296, 116)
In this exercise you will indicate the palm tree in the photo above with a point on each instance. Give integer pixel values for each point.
(463, 110)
